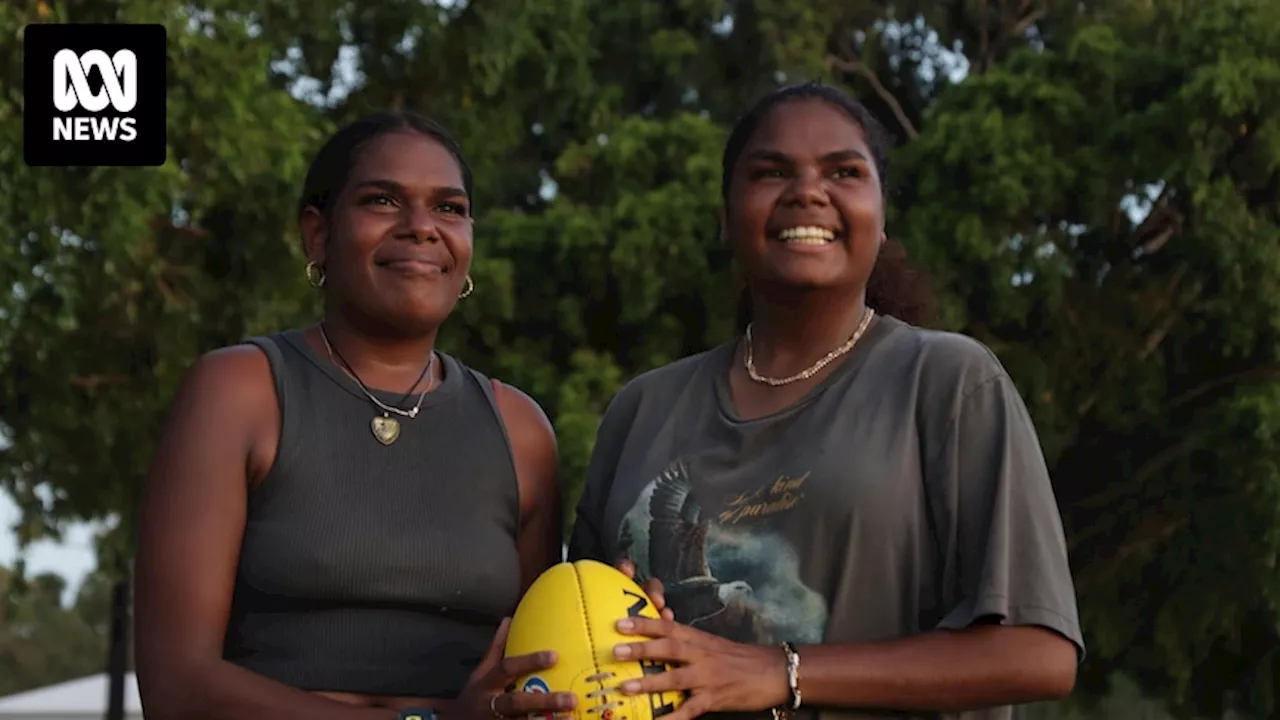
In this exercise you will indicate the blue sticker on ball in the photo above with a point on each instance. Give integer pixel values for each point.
(536, 684)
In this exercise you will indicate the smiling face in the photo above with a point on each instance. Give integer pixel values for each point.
(804, 209)
(396, 245)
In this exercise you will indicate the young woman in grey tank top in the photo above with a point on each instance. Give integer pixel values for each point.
(850, 516)
(339, 518)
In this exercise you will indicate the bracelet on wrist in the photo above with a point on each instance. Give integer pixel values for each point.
(793, 680)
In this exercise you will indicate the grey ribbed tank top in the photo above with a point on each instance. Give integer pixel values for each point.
(368, 568)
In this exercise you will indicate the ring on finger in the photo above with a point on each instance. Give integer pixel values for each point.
(493, 707)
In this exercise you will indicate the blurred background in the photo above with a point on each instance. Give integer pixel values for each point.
(1093, 186)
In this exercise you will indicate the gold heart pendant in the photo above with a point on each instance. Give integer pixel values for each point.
(385, 429)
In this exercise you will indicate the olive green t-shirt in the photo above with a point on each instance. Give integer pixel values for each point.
(906, 492)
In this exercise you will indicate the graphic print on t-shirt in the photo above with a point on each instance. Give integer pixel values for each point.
(724, 571)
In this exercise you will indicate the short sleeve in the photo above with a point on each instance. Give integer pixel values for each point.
(586, 539)
(1002, 535)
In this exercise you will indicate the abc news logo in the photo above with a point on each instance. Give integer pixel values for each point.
(95, 95)
(71, 90)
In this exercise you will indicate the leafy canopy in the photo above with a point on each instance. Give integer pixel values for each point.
(1093, 187)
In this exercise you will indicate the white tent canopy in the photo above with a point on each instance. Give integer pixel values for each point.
(82, 699)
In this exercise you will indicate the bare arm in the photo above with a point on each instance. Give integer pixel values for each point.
(221, 433)
(533, 444)
(944, 671)
(982, 666)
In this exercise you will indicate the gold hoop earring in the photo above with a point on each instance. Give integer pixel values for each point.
(471, 285)
(315, 275)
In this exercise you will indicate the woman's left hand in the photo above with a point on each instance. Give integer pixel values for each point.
(720, 675)
(652, 588)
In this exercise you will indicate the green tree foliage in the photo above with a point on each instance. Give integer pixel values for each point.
(1092, 185)
(1126, 180)
(120, 277)
(43, 641)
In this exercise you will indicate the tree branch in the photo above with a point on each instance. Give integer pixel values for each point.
(165, 290)
(854, 64)
(1262, 373)
(164, 224)
(1157, 334)
(1160, 225)
(1157, 205)
(1011, 25)
(1021, 27)
(93, 382)
(1159, 240)
(984, 38)
(1154, 464)
(1155, 527)
(1154, 530)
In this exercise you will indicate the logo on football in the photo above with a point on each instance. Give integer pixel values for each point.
(536, 684)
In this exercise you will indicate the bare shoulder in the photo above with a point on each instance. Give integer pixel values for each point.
(229, 375)
(226, 403)
(533, 449)
(527, 423)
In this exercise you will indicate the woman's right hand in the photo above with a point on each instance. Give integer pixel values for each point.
(485, 697)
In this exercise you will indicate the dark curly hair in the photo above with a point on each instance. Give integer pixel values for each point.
(896, 287)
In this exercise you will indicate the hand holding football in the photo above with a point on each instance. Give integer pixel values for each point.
(573, 609)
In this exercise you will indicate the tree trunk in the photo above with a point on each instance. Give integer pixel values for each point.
(118, 652)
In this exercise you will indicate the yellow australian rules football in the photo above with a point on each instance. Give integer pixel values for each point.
(573, 609)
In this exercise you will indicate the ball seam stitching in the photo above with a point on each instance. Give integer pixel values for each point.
(591, 640)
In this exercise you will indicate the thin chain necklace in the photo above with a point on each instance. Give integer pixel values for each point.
(749, 361)
(385, 428)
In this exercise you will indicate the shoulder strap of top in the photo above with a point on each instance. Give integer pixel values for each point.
(494, 393)
(276, 361)
(497, 392)
(290, 420)
(498, 395)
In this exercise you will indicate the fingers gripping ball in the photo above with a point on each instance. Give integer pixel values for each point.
(573, 608)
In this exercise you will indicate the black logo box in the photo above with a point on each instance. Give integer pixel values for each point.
(41, 43)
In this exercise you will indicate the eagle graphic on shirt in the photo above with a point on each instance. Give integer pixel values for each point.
(740, 582)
